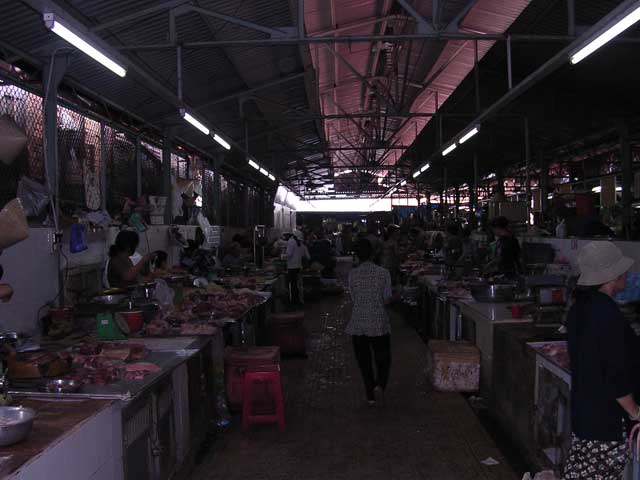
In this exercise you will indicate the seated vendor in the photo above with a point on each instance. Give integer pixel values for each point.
(453, 243)
(120, 272)
(232, 257)
(507, 259)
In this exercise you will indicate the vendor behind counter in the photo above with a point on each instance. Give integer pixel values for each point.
(508, 255)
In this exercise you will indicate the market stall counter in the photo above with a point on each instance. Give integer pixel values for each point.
(514, 403)
(161, 410)
(70, 439)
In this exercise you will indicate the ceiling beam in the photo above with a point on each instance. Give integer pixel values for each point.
(438, 36)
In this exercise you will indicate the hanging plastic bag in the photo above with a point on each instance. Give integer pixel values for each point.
(78, 238)
(34, 196)
(164, 295)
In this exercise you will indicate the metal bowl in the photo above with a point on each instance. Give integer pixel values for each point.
(60, 385)
(15, 424)
(493, 293)
(110, 299)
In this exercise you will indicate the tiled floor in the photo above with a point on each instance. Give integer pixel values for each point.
(331, 434)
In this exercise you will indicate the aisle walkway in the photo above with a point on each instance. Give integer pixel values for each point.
(331, 433)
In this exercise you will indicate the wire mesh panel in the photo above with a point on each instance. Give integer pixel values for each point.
(78, 159)
(151, 163)
(23, 110)
(120, 153)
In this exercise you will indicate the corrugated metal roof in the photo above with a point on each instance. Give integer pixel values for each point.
(207, 73)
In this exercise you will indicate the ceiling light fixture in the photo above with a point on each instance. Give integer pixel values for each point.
(449, 149)
(596, 189)
(425, 168)
(271, 177)
(468, 135)
(416, 174)
(606, 36)
(403, 183)
(254, 164)
(194, 121)
(221, 141)
(53, 24)
(264, 172)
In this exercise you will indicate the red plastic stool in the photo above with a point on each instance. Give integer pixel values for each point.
(252, 413)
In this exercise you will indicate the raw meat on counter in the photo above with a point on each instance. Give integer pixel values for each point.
(201, 309)
(558, 352)
(197, 329)
(102, 363)
(137, 371)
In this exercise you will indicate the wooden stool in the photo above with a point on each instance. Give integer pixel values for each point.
(269, 374)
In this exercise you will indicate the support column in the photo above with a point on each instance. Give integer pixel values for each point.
(52, 76)
(103, 167)
(475, 182)
(166, 175)
(457, 202)
(527, 160)
(217, 195)
(627, 177)
(476, 76)
(139, 167)
(543, 183)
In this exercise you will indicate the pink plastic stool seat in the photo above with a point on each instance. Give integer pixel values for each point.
(251, 414)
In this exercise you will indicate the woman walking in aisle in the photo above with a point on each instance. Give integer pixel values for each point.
(296, 251)
(601, 391)
(370, 288)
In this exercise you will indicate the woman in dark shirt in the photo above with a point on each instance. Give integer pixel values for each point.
(507, 261)
(601, 382)
(120, 270)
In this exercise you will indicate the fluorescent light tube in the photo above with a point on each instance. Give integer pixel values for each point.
(221, 141)
(53, 24)
(194, 121)
(254, 164)
(596, 189)
(618, 189)
(468, 135)
(271, 177)
(264, 172)
(449, 149)
(403, 183)
(416, 174)
(425, 168)
(606, 36)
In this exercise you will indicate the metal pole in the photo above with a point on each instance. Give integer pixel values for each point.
(350, 39)
(571, 16)
(139, 166)
(476, 75)
(53, 74)
(527, 160)
(166, 175)
(627, 176)
(103, 167)
(543, 185)
(301, 19)
(475, 181)
(179, 70)
(509, 69)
